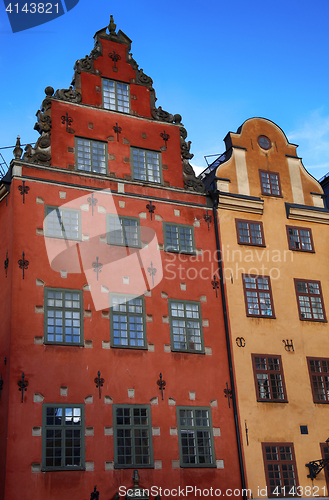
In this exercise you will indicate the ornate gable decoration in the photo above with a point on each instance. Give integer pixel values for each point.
(41, 152)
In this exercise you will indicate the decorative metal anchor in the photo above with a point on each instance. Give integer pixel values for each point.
(24, 190)
(152, 272)
(23, 264)
(68, 120)
(150, 207)
(316, 466)
(161, 383)
(22, 384)
(215, 284)
(1, 385)
(92, 202)
(6, 263)
(165, 137)
(115, 57)
(288, 346)
(94, 495)
(97, 267)
(240, 341)
(228, 394)
(99, 383)
(117, 130)
(207, 218)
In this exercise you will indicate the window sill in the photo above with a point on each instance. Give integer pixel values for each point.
(272, 401)
(180, 252)
(314, 320)
(64, 344)
(301, 250)
(63, 238)
(251, 244)
(135, 466)
(258, 316)
(187, 351)
(272, 195)
(199, 466)
(61, 469)
(138, 348)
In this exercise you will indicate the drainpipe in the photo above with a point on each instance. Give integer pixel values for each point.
(214, 193)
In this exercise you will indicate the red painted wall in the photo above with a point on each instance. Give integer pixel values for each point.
(48, 367)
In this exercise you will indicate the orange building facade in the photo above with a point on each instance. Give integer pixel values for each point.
(273, 228)
(113, 346)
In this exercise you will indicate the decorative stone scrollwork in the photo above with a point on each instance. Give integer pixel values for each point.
(185, 146)
(143, 79)
(41, 153)
(164, 116)
(44, 113)
(96, 51)
(190, 180)
(86, 65)
(46, 103)
(44, 122)
(70, 95)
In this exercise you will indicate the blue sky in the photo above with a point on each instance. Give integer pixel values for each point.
(216, 63)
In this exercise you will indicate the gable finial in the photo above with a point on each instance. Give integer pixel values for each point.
(18, 150)
(112, 26)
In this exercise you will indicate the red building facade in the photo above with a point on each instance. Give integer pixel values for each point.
(109, 257)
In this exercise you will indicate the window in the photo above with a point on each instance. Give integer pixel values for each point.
(319, 376)
(91, 156)
(132, 436)
(270, 183)
(269, 379)
(124, 231)
(63, 316)
(280, 469)
(300, 238)
(127, 321)
(258, 296)
(116, 96)
(250, 232)
(310, 301)
(63, 437)
(185, 326)
(63, 223)
(264, 142)
(146, 165)
(196, 444)
(178, 238)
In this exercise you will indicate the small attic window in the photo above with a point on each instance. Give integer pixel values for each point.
(264, 142)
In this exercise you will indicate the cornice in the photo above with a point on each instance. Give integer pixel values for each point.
(240, 203)
(308, 214)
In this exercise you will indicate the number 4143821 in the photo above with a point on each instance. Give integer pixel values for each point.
(299, 491)
(33, 8)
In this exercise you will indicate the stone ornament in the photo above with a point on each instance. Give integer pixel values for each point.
(70, 95)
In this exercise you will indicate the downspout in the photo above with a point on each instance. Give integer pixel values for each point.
(214, 193)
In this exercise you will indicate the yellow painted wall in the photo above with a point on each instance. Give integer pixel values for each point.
(268, 421)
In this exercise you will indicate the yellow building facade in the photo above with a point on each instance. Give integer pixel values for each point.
(274, 239)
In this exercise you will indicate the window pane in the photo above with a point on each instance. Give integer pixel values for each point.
(186, 331)
(63, 317)
(127, 322)
(146, 165)
(196, 438)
